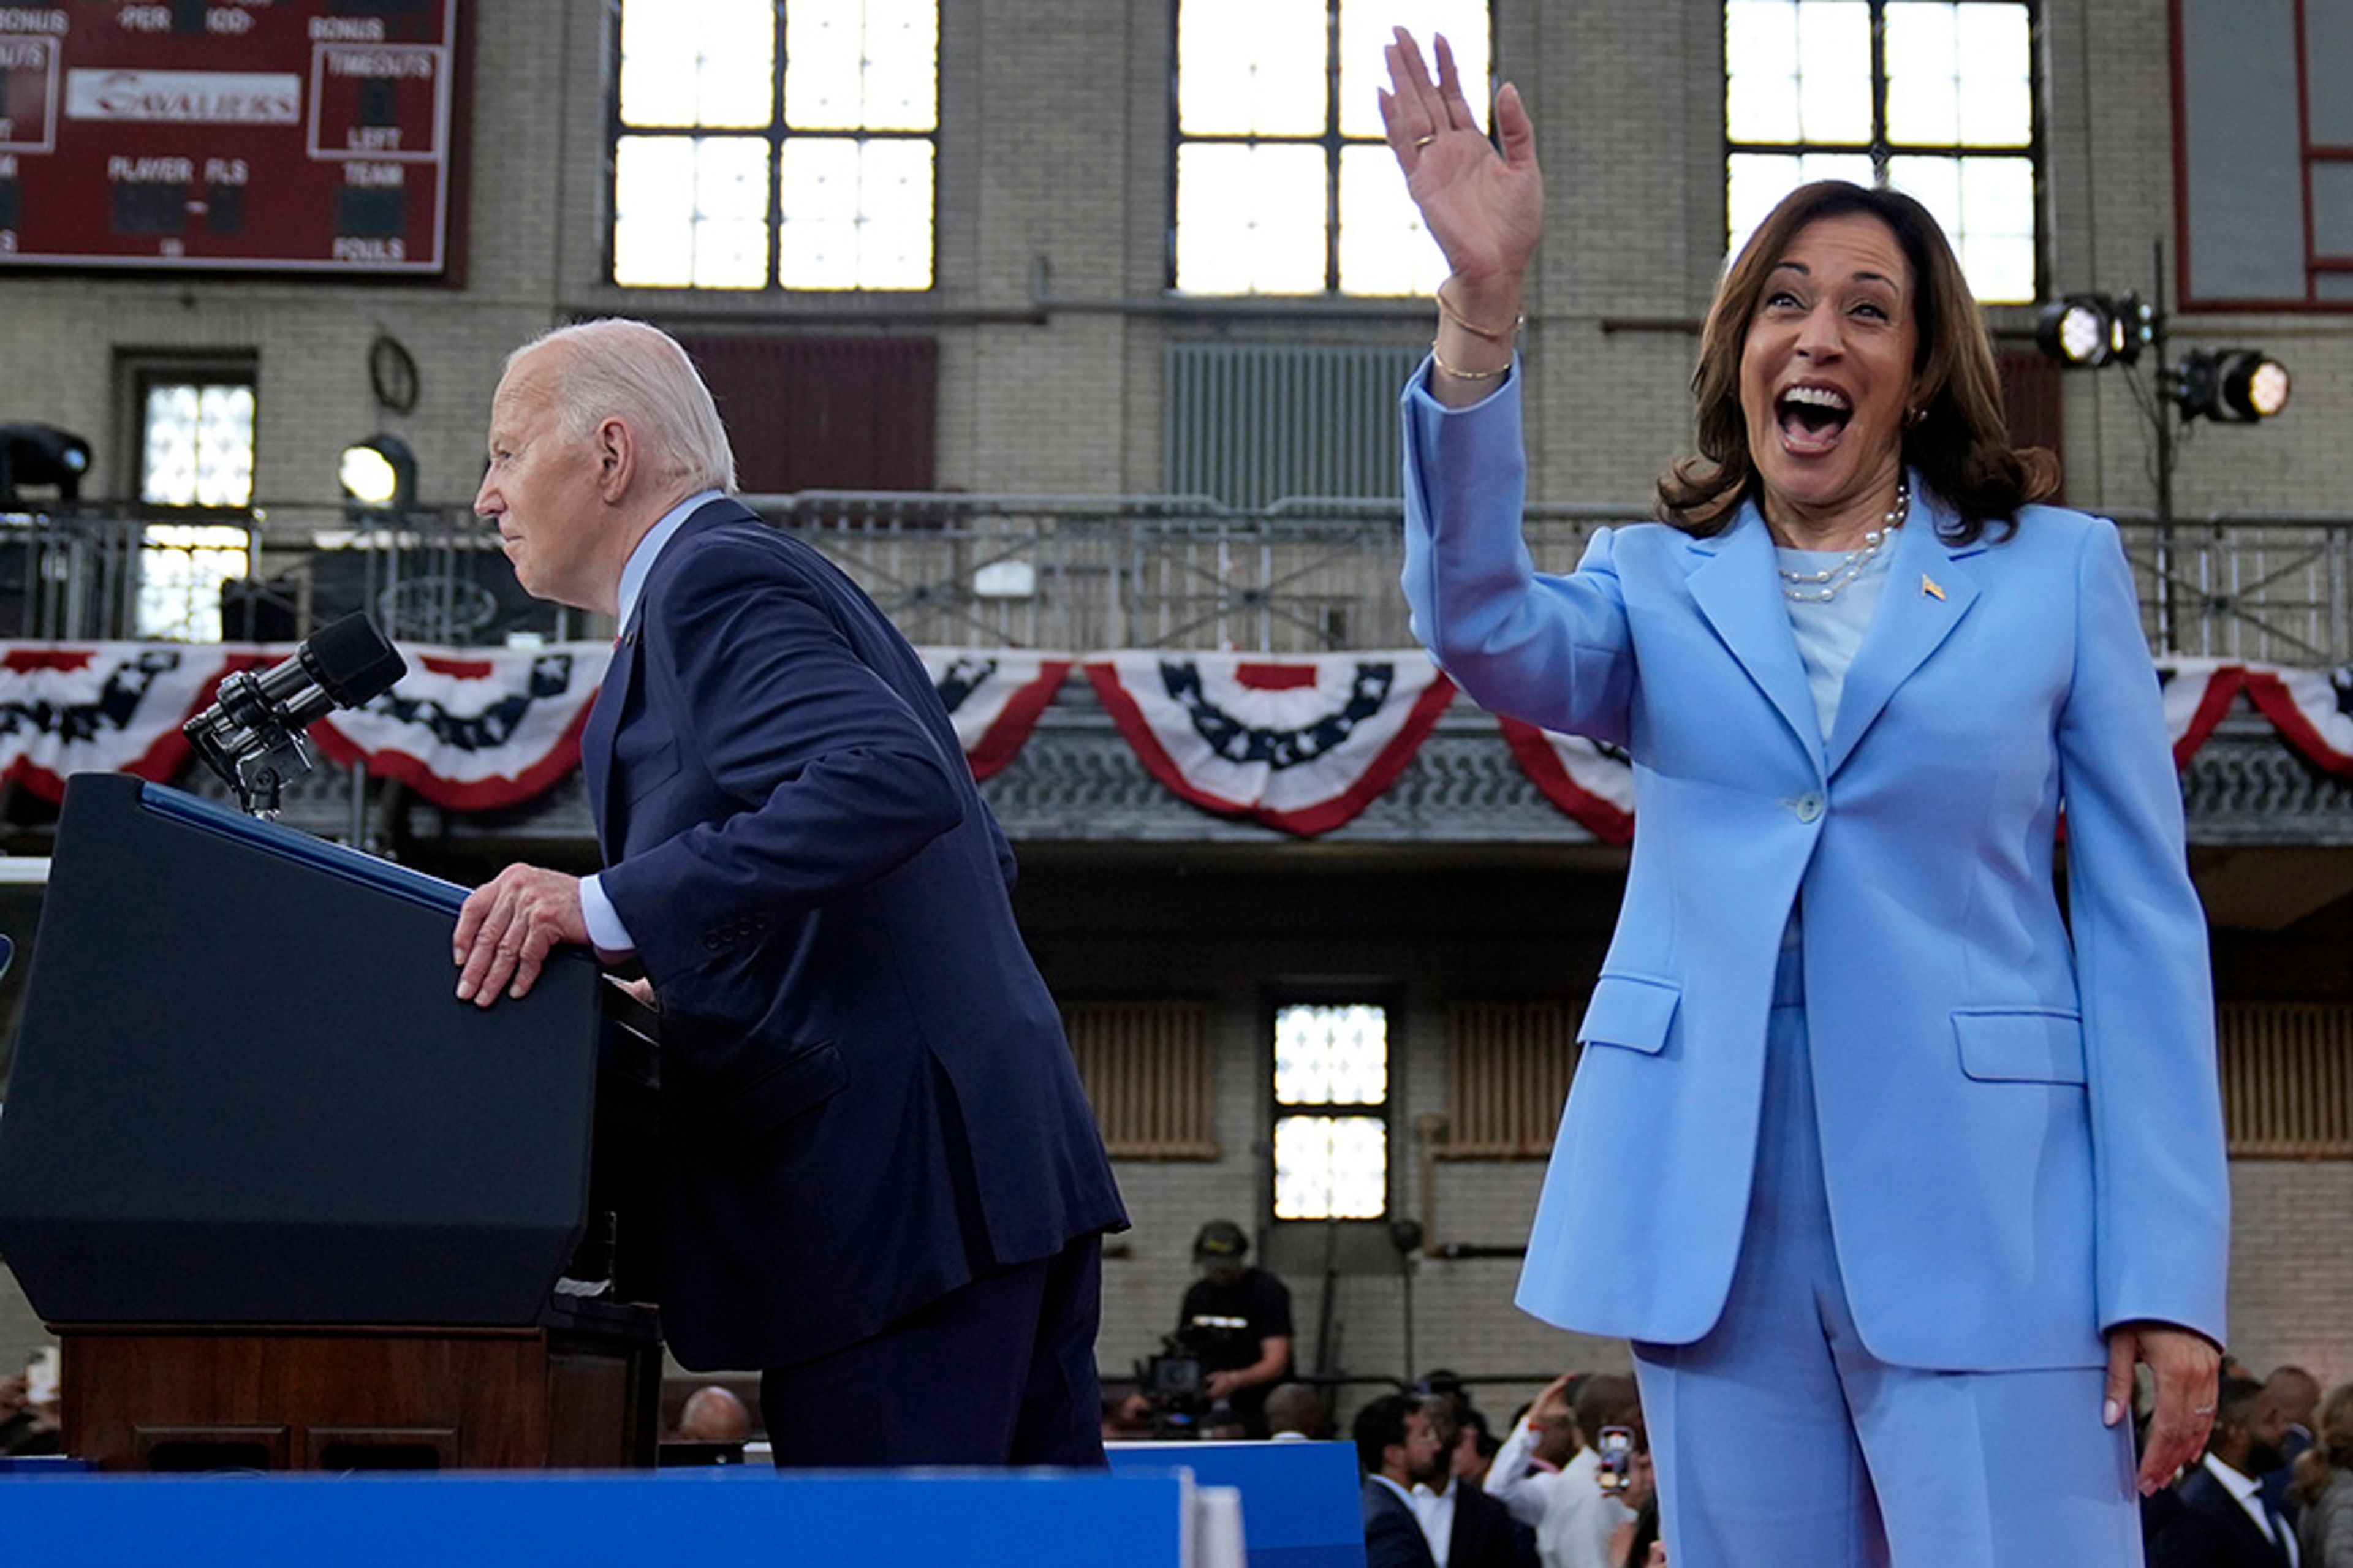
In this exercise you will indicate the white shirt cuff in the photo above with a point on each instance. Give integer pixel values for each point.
(603, 922)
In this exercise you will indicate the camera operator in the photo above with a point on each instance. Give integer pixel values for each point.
(1237, 1319)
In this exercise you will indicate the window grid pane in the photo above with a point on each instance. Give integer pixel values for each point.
(857, 214)
(198, 445)
(1331, 1055)
(1798, 91)
(179, 572)
(1281, 189)
(698, 63)
(1249, 218)
(861, 65)
(1331, 1167)
(704, 212)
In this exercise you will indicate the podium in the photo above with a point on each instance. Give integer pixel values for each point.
(286, 1202)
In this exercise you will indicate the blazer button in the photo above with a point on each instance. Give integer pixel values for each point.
(1806, 807)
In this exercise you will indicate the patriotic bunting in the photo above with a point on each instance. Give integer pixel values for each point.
(2198, 692)
(1299, 745)
(1591, 782)
(474, 729)
(994, 696)
(114, 707)
(2312, 708)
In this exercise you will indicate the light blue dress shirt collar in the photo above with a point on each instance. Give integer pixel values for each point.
(641, 563)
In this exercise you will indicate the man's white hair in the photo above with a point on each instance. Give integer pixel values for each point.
(620, 369)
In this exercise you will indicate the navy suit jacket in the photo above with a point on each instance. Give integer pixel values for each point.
(2212, 1530)
(1393, 1537)
(866, 1097)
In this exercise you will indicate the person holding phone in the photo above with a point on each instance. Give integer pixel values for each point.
(1932, 1162)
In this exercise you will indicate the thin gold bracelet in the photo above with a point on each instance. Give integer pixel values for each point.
(1464, 374)
(1446, 308)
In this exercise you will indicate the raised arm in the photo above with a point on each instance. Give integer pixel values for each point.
(1486, 210)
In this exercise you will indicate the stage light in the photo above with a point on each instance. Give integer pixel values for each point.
(2087, 331)
(2231, 386)
(41, 455)
(380, 472)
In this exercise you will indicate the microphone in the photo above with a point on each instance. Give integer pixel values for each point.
(253, 735)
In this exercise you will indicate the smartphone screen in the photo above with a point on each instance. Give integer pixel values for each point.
(1615, 1445)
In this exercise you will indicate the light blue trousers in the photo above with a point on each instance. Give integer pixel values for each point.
(1781, 1442)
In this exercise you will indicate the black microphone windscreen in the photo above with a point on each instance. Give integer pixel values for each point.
(352, 661)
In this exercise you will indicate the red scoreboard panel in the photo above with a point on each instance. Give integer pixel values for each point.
(247, 135)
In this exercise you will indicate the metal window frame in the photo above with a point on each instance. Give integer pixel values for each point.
(1881, 149)
(1329, 139)
(1389, 998)
(775, 134)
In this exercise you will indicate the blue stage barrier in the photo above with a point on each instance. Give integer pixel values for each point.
(972, 1519)
(1300, 1507)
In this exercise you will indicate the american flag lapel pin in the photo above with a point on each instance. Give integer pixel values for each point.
(1929, 587)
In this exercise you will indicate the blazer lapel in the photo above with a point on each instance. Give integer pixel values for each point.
(597, 735)
(1738, 586)
(1928, 594)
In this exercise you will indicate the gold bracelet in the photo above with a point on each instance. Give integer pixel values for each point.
(1464, 374)
(1447, 309)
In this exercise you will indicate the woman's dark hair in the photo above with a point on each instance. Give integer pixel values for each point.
(1960, 444)
(2332, 1447)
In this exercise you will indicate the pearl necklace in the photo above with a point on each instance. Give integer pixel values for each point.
(1820, 588)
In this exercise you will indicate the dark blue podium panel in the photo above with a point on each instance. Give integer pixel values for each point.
(1023, 1519)
(245, 1091)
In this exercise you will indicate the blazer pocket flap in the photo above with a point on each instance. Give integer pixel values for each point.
(1629, 1012)
(2020, 1044)
(791, 1089)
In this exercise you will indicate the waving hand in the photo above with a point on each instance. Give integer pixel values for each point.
(1485, 211)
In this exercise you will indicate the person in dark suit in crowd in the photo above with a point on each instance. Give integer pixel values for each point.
(881, 1182)
(1397, 1449)
(2223, 1521)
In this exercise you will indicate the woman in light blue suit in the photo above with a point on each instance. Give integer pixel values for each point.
(1929, 1164)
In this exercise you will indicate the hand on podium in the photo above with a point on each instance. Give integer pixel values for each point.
(509, 925)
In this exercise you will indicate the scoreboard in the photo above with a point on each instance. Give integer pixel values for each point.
(286, 136)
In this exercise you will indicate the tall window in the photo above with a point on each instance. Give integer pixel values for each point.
(1284, 184)
(195, 451)
(1934, 99)
(776, 143)
(1331, 1110)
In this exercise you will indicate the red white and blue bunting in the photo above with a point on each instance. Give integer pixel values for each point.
(1299, 745)
(1302, 745)
(994, 696)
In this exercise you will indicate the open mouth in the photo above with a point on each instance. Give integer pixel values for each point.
(1811, 418)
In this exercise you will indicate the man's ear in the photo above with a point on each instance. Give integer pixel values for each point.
(616, 460)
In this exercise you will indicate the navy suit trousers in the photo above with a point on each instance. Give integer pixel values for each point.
(1001, 1372)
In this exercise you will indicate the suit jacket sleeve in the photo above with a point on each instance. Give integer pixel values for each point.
(839, 780)
(1552, 650)
(2161, 1241)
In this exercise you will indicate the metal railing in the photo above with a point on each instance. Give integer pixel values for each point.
(1076, 573)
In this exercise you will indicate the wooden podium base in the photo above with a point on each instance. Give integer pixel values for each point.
(148, 1398)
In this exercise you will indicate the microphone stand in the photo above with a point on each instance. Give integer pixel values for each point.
(279, 751)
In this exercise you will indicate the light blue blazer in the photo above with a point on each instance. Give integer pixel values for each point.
(2021, 1130)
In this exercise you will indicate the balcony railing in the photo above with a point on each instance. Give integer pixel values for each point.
(1076, 573)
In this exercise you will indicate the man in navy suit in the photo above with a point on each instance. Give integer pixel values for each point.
(882, 1183)
(2224, 1520)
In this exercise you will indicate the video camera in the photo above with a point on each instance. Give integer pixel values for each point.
(1174, 1379)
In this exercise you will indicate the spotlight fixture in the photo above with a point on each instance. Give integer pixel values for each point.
(380, 473)
(2231, 386)
(41, 455)
(2087, 331)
